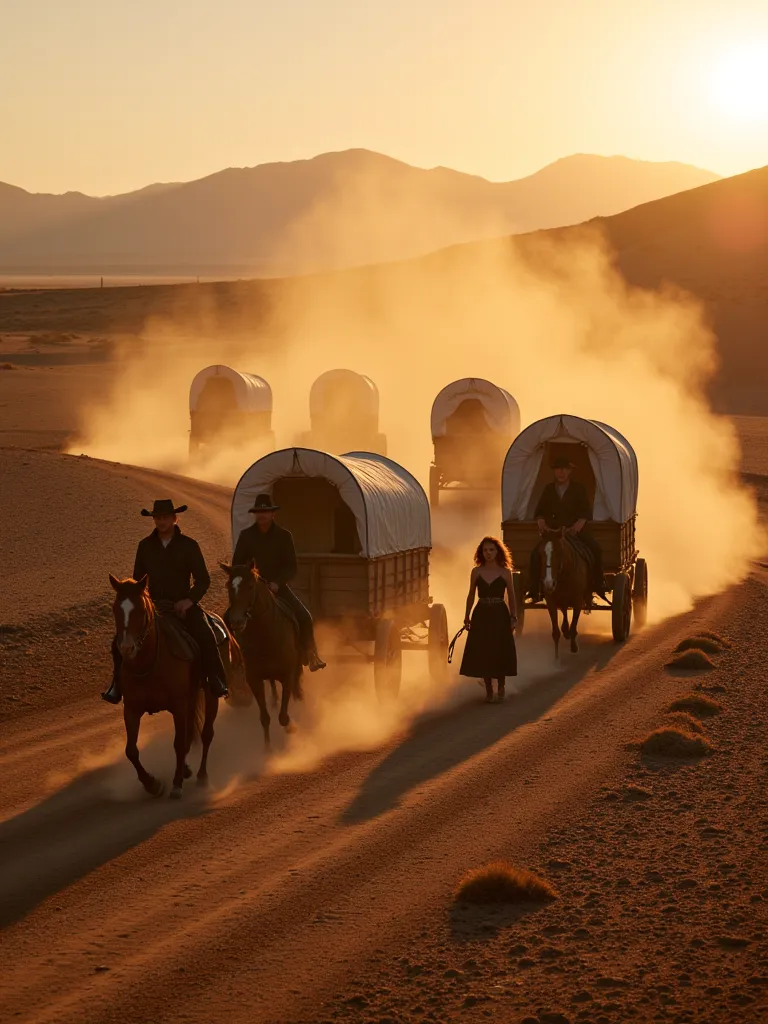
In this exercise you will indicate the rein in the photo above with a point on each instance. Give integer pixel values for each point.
(452, 644)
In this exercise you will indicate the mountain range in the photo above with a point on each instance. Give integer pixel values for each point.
(335, 210)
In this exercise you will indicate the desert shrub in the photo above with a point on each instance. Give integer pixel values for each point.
(696, 704)
(706, 642)
(682, 720)
(673, 742)
(500, 882)
(694, 659)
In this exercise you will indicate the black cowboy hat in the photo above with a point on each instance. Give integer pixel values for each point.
(163, 507)
(561, 462)
(263, 503)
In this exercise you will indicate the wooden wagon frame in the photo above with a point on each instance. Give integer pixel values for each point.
(361, 528)
(613, 490)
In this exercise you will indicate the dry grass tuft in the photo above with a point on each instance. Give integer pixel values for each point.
(692, 659)
(708, 642)
(500, 882)
(687, 723)
(696, 704)
(672, 742)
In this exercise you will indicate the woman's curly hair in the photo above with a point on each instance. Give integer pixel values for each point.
(503, 554)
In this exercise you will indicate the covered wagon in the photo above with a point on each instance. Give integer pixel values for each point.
(229, 407)
(361, 527)
(606, 465)
(473, 423)
(344, 414)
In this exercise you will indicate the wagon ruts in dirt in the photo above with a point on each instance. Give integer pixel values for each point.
(344, 414)
(606, 465)
(473, 424)
(229, 408)
(361, 527)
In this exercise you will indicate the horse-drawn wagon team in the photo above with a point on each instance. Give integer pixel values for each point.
(349, 552)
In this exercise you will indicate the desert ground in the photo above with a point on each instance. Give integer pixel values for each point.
(318, 885)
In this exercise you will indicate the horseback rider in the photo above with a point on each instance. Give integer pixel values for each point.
(564, 503)
(169, 558)
(272, 550)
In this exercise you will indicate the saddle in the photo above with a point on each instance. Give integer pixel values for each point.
(180, 643)
(288, 612)
(219, 628)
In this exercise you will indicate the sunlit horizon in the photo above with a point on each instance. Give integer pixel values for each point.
(105, 99)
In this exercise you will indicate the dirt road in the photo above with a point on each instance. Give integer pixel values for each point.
(287, 895)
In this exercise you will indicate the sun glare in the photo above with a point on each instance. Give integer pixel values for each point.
(740, 82)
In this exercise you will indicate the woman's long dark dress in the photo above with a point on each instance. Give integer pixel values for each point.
(490, 651)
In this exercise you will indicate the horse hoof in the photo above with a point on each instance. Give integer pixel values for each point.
(155, 787)
(175, 793)
(187, 772)
(202, 781)
(290, 727)
(574, 648)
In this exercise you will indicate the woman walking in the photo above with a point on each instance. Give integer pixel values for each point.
(490, 649)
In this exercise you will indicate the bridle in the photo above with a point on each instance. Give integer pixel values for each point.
(151, 620)
(251, 607)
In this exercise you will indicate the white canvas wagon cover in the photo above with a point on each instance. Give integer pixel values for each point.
(253, 394)
(389, 505)
(502, 413)
(611, 456)
(355, 386)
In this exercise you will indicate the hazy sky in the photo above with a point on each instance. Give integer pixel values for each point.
(107, 96)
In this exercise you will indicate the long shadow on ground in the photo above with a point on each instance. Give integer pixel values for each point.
(441, 742)
(73, 832)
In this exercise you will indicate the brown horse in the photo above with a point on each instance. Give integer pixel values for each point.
(566, 579)
(269, 639)
(154, 679)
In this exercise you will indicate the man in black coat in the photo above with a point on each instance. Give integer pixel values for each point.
(170, 560)
(564, 503)
(271, 548)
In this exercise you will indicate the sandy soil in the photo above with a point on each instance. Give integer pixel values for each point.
(325, 892)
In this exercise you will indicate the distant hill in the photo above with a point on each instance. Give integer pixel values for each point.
(712, 241)
(335, 210)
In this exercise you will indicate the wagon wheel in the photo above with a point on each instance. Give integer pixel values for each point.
(519, 588)
(640, 592)
(387, 660)
(621, 613)
(437, 643)
(434, 486)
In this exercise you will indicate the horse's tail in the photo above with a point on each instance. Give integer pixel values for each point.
(239, 692)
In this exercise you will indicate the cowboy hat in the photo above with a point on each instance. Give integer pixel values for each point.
(163, 507)
(561, 462)
(263, 503)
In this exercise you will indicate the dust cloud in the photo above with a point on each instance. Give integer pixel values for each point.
(556, 325)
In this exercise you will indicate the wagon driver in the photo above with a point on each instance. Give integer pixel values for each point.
(564, 503)
(272, 550)
(178, 579)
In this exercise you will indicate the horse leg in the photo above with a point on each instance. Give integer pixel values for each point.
(574, 634)
(273, 687)
(565, 627)
(552, 609)
(180, 745)
(284, 718)
(261, 700)
(132, 719)
(206, 735)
